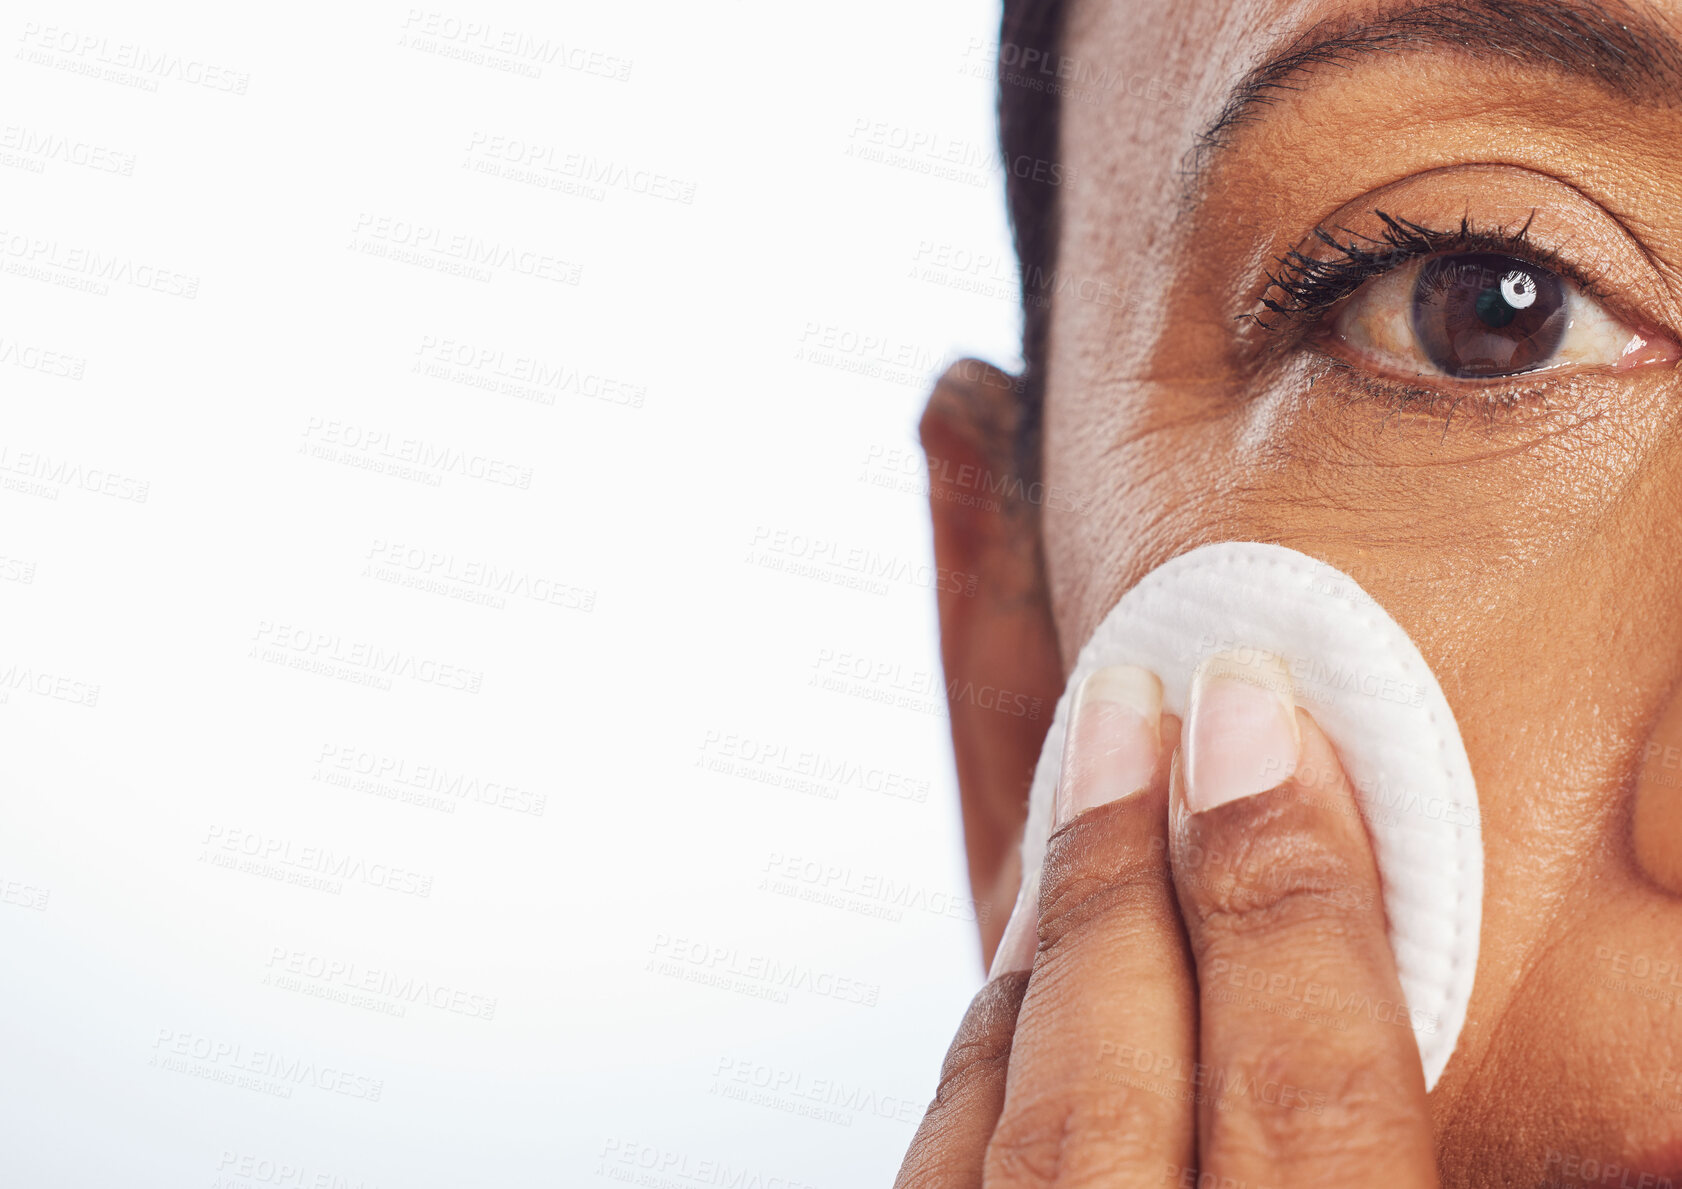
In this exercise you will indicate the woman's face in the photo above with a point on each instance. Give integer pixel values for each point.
(1525, 532)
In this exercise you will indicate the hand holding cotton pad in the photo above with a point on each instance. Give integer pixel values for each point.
(1356, 671)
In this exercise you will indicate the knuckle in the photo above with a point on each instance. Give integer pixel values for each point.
(1027, 1155)
(972, 1079)
(1278, 881)
(1099, 868)
(968, 1062)
(1289, 1104)
(1255, 919)
(981, 1049)
(1075, 907)
(1063, 1143)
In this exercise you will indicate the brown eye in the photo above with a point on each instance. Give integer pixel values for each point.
(1479, 317)
(1483, 314)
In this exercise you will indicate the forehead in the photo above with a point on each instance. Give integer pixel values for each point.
(1154, 71)
(1164, 83)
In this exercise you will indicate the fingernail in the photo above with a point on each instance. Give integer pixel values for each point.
(1113, 739)
(1021, 938)
(1241, 728)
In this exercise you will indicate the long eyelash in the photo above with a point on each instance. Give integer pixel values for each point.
(1304, 286)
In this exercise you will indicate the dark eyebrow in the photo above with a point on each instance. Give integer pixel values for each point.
(1626, 51)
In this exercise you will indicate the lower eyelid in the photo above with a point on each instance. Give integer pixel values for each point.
(1377, 321)
(1647, 350)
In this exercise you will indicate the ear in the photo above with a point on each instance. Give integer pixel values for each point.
(998, 642)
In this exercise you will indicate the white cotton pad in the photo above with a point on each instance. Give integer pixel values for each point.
(1357, 672)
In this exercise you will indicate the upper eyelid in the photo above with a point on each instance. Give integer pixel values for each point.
(1590, 273)
(1314, 284)
(1609, 211)
(1651, 292)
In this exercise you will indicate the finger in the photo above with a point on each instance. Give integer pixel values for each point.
(1097, 1091)
(1311, 1071)
(947, 1151)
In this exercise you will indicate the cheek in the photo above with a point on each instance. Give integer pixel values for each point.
(1656, 825)
(1536, 573)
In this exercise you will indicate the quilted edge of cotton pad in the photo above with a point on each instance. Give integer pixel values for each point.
(1281, 596)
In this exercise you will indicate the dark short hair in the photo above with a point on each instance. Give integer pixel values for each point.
(1030, 33)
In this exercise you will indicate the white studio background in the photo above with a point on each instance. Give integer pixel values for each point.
(448, 738)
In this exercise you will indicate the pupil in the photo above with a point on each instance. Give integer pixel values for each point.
(1484, 314)
(1493, 308)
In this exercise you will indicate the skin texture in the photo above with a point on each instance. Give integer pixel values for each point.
(1532, 551)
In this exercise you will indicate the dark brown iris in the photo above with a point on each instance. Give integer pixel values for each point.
(1483, 314)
